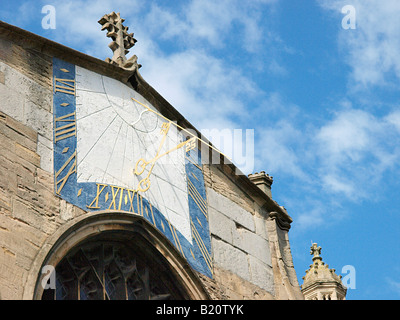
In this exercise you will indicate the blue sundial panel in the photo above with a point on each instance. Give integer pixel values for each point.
(101, 195)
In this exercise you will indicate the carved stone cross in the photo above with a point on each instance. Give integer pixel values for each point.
(316, 251)
(122, 41)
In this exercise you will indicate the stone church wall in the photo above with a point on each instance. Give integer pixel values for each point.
(29, 211)
(250, 252)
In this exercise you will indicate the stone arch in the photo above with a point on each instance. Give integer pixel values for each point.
(122, 227)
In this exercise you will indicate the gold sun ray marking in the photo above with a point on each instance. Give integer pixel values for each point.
(194, 176)
(206, 255)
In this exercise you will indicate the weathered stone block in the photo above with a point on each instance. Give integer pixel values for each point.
(66, 210)
(39, 119)
(221, 182)
(261, 227)
(28, 155)
(230, 258)
(45, 179)
(8, 176)
(30, 215)
(19, 127)
(230, 209)
(261, 274)
(45, 151)
(221, 225)
(12, 103)
(253, 244)
(13, 131)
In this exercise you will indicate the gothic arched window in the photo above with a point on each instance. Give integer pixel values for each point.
(115, 256)
(108, 271)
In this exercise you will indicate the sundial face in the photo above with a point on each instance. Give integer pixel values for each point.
(114, 151)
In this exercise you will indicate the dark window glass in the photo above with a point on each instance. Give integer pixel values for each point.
(110, 271)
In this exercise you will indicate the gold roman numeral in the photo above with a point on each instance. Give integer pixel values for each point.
(131, 194)
(114, 197)
(67, 128)
(117, 196)
(64, 86)
(95, 202)
(60, 182)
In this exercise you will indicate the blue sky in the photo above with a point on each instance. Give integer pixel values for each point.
(323, 102)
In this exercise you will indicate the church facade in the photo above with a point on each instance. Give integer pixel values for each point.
(108, 192)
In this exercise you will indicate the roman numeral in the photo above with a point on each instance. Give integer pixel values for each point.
(117, 197)
(114, 197)
(64, 86)
(67, 128)
(60, 182)
(95, 202)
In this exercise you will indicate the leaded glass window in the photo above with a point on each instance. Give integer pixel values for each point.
(111, 271)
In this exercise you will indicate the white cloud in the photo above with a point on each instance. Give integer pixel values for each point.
(393, 284)
(337, 184)
(354, 150)
(278, 149)
(394, 119)
(347, 137)
(371, 50)
(201, 85)
(312, 217)
(77, 26)
(203, 88)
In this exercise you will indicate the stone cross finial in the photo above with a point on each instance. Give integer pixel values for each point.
(122, 41)
(316, 251)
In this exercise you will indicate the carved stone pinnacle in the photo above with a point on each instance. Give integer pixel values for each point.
(315, 251)
(122, 41)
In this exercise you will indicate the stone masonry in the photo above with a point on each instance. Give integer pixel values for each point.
(249, 231)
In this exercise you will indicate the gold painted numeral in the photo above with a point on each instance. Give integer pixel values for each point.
(64, 85)
(60, 182)
(191, 144)
(95, 202)
(68, 127)
(165, 128)
(114, 197)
